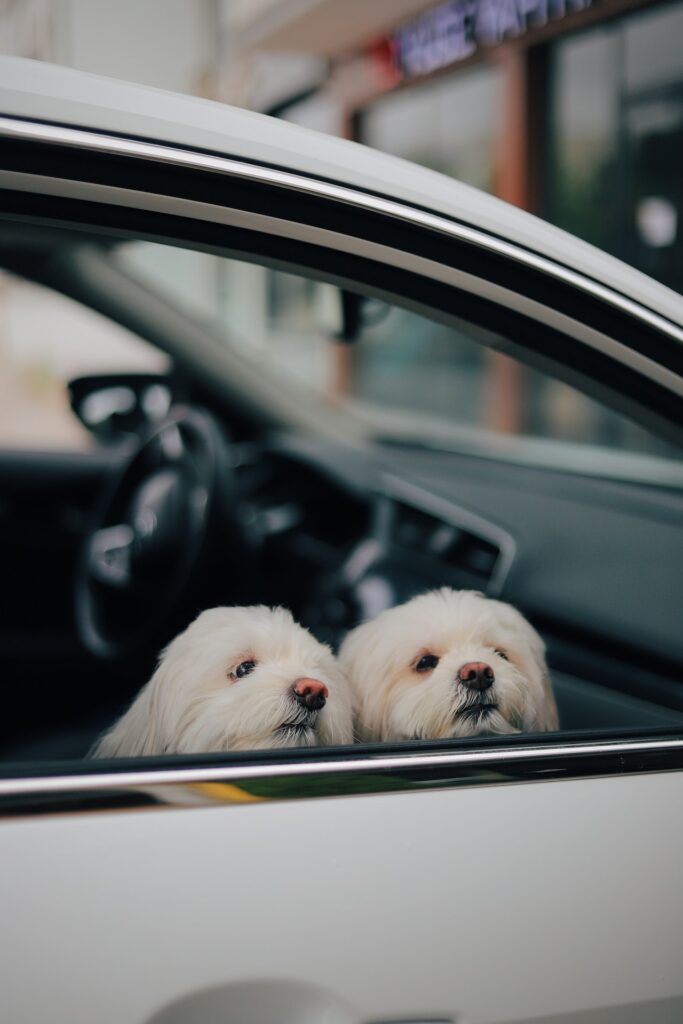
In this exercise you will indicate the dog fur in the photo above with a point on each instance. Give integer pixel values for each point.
(396, 701)
(196, 702)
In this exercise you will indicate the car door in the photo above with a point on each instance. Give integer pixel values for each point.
(475, 881)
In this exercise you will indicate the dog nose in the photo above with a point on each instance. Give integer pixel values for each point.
(311, 693)
(476, 675)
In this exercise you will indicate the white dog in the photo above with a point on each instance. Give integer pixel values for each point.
(448, 663)
(237, 679)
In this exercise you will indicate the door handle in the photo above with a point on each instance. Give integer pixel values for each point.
(271, 1002)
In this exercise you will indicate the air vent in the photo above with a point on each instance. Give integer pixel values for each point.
(473, 557)
(472, 554)
(415, 529)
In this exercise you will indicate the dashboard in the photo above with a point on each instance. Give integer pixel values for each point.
(338, 533)
(596, 565)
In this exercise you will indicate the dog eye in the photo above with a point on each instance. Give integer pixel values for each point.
(243, 670)
(426, 662)
(501, 654)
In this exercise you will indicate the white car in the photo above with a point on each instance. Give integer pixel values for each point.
(518, 879)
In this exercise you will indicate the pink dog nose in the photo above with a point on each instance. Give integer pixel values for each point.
(311, 693)
(476, 675)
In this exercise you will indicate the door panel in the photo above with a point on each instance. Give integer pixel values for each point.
(504, 903)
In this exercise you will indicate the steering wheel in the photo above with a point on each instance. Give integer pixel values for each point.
(166, 526)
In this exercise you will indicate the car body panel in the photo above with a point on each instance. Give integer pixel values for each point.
(501, 903)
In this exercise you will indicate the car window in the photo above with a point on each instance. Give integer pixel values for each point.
(46, 339)
(402, 376)
(215, 528)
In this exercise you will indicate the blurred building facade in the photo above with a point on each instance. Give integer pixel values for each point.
(572, 109)
(170, 44)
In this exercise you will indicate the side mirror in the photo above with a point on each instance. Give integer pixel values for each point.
(118, 406)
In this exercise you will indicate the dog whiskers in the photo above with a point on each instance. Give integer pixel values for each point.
(476, 711)
(301, 723)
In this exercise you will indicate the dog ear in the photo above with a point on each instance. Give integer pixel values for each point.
(346, 659)
(353, 656)
(362, 662)
(547, 718)
(138, 732)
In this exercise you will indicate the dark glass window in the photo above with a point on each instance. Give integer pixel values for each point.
(615, 130)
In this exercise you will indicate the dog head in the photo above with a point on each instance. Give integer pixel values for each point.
(237, 679)
(448, 663)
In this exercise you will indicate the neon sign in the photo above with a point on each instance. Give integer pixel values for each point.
(456, 29)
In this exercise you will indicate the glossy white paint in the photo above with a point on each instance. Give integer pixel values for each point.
(36, 90)
(505, 903)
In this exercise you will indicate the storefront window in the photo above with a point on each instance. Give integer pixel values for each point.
(615, 126)
(450, 125)
(653, 48)
(584, 136)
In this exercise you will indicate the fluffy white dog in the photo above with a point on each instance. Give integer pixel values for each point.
(237, 679)
(448, 663)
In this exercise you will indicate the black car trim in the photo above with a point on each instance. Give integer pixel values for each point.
(191, 174)
(16, 126)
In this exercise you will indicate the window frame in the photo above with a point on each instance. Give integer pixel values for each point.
(112, 183)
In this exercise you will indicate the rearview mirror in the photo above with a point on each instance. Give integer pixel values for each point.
(342, 315)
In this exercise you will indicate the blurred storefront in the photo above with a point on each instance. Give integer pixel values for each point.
(572, 109)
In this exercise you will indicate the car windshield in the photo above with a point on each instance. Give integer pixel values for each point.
(398, 375)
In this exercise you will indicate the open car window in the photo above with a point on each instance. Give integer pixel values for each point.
(432, 459)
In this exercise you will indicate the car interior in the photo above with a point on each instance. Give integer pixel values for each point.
(342, 459)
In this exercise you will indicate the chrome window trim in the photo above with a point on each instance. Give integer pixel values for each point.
(160, 152)
(359, 775)
(451, 276)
